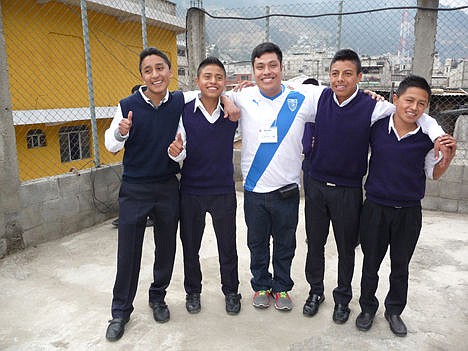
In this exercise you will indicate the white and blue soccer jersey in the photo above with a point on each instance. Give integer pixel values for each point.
(267, 166)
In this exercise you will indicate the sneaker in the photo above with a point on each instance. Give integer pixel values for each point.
(233, 304)
(261, 299)
(283, 301)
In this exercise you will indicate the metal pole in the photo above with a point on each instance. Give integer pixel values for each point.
(425, 31)
(144, 35)
(267, 24)
(11, 232)
(338, 28)
(196, 47)
(92, 107)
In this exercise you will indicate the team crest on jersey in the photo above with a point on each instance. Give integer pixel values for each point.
(292, 104)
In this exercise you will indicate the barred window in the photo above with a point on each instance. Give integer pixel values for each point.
(181, 71)
(35, 138)
(74, 143)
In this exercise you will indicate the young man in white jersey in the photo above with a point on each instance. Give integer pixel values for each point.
(272, 124)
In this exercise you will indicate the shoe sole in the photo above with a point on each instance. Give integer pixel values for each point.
(260, 306)
(364, 329)
(232, 313)
(284, 308)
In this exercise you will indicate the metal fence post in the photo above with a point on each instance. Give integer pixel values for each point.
(425, 30)
(144, 34)
(267, 24)
(196, 51)
(92, 107)
(339, 25)
(11, 233)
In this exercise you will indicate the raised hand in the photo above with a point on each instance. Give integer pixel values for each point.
(176, 146)
(125, 124)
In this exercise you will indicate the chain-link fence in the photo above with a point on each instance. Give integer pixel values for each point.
(69, 66)
(383, 33)
(71, 61)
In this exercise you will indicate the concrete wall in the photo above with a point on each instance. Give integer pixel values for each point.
(54, 207)
(450, 192)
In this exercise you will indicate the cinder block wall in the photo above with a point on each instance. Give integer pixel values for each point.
(450, 192)
(54, 207)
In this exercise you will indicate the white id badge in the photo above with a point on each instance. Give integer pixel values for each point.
(268, 135)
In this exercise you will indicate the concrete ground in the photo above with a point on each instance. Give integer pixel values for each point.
(57, 296)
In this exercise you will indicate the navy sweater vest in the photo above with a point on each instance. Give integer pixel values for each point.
(341, 140)
(396, 169)
(208, 167)
(145, 158)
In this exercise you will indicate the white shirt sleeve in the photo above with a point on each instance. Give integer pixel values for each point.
(190, 95)
(382, 109)
(428, 124)
(312, 93)
(430, 162)
(113, 141)
(430, 127)
(180, 129)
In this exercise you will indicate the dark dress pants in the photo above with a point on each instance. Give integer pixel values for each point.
(381, 227)
(341, 206)
(193, 209)
(137, 201)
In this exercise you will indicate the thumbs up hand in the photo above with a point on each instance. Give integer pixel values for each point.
(125, 124)
(176, 146)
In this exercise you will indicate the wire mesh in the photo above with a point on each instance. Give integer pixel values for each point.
(50, 90)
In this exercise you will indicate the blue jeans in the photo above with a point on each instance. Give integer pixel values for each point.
(267, 214)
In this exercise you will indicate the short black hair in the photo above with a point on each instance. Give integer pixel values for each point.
(312, 81)
(153, 51)
(413, 81)
(347, 55)
(135, 88)
(263, 48)
(210, 60)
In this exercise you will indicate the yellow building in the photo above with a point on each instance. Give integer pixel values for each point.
(48, 74)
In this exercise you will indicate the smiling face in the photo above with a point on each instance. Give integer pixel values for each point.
(156, 75)
(344, 78)
(211, 81)
(268, 72)
(410, 105)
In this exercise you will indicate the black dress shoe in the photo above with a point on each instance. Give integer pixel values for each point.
(312, 304)
(116, 329)
(340, 313)
(160, 311)
(192, 303)
(397, 325)
(364, 321)
(233, 304)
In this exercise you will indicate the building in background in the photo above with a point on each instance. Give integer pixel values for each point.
(48, 76)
